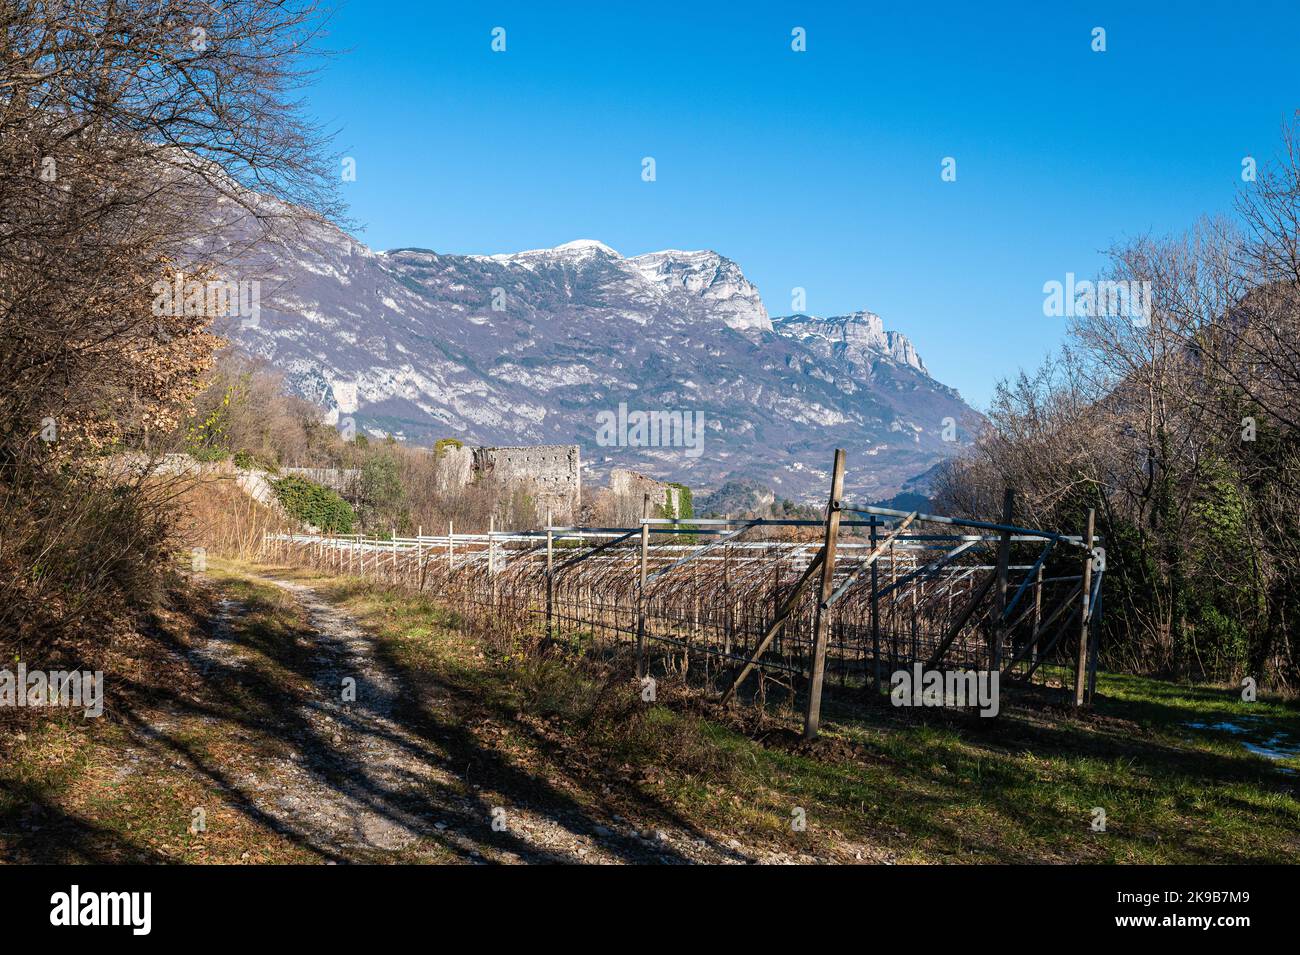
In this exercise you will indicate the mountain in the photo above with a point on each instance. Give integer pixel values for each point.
(552, 345)
(859, 338)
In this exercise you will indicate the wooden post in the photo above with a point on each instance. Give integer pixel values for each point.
(779, 617)
(875, 612)
(641, 598)
(492, 558)
(728, 619)
(419, 557)
(1038, 615)
(1094, 618)
(999, 629)
(918, 589)
(822, 620)
(1085, 615)
(393, 569)
(550, 577)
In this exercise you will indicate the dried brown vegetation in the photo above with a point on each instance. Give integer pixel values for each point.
(119, 125)
(1181, 427)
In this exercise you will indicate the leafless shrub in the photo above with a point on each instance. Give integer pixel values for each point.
(1181, 427)
(120, 124)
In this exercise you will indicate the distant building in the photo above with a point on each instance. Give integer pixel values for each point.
(552, 473)
(631, 488)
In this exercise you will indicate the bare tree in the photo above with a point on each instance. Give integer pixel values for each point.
(122, 125)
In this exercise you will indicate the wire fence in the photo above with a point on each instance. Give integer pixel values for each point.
(717, 600)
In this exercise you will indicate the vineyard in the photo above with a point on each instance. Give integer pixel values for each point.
(764, 605)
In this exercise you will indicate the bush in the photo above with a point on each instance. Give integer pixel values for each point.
(381, 494)
(81, 553)
(310, 503)
(250, 462)
(685, 510)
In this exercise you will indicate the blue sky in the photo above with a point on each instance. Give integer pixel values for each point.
(818, 169)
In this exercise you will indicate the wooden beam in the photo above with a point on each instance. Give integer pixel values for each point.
(1051, 644)
(641, 594)
(1085, 617)
(976, 598)
(998, 632)
(870, 559)
(812, 716)
(1039, 629)
(596, 550)
(550, 578)
(782, 614)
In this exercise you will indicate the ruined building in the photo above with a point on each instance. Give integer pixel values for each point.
(629, 490)
(551, 473)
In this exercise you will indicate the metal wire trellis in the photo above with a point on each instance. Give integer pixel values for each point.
(700, 596)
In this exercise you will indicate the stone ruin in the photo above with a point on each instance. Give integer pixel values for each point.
(628, 490)
(551, 473)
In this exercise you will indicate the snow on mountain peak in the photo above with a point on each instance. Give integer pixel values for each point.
(713, 278)
(586, 245)
(526, 348)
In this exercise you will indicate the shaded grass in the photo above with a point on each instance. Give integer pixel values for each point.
(125, 788)
(905, 785)
(881, 784)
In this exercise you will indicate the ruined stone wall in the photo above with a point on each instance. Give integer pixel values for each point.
(342, 480)
(628, 490)
(551, 472)
(455, 467)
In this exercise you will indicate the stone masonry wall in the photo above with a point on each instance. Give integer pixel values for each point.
(630, 488)
(553, 472)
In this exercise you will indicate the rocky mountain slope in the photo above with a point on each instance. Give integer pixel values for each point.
(532, 347)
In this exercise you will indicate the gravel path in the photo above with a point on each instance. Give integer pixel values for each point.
(357, 784)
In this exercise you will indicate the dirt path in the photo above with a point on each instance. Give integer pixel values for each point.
(357, 782)
(328, 793)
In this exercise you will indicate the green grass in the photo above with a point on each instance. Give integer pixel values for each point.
(882, 783)
(910, 785)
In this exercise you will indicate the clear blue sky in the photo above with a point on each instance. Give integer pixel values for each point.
(818, 169)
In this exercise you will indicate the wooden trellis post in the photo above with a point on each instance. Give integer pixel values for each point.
(1038, 614)
(999, 629)
(492, 558)
(822, 620)
(875, 612)
(728, 620)
(1085, 617)
(550, 578)
(641, 598)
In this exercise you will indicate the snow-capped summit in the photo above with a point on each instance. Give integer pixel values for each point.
(699, 287)
(714, 279)
(586, 245)
(528, 347)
